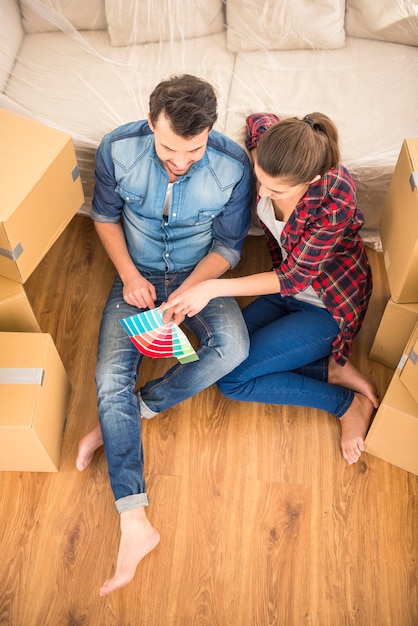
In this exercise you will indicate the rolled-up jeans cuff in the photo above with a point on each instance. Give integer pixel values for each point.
(145, 410)
(131, 502)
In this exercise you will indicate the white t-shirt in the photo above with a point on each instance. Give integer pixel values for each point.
(167, 201)
(265, 211)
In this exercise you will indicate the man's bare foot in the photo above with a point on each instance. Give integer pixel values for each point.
(354, 425)
(350, 377)
(138, 538)
(87, 447)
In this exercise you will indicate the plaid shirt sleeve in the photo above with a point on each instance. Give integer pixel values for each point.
(256, 126)
(315, 233)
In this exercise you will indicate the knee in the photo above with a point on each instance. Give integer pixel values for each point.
(112, 381)
(236, 349)
(229, 388)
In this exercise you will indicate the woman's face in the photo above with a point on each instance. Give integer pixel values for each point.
(278, 188)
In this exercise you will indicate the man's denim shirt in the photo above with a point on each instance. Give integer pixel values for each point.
(210, 206)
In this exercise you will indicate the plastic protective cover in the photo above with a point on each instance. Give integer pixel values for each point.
(87, 67)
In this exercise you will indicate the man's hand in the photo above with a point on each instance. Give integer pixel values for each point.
(139, 292)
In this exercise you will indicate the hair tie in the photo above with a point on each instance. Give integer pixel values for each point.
(310, 121)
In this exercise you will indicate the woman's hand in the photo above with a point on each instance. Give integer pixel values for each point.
(188, 302)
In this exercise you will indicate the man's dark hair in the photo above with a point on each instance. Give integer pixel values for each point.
(187, 101)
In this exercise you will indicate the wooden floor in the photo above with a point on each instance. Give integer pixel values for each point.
(262, 522)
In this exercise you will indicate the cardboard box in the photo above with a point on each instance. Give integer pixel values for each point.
(393, 435)
(16, 313)
(397, 323)
(409, 369)
(398, 226)
(40, 192)
(34, 394)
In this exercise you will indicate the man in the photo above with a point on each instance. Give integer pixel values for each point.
(172, 208)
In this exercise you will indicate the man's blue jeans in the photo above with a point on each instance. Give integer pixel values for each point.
(290, 343)
(224, 343)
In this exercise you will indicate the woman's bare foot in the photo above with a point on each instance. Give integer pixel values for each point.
(87, 447)
(354, 425)
(138, 538)
(350, 377)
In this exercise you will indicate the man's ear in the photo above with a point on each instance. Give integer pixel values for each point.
(150, 123)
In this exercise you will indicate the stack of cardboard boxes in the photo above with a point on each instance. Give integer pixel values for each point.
(393, 435)
(40, 193)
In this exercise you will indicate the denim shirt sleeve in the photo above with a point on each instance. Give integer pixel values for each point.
(107, 204)
(231, 226)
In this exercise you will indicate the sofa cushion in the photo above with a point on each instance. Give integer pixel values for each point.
(387, 20)
(141, 21)
(41, 16)
(11, 35)
(284, 25)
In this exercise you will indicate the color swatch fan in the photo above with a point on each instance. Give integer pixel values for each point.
(152, 337)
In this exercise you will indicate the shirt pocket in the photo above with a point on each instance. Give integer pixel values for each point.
(207, 215)
(132, 199)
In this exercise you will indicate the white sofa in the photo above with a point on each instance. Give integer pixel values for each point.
(88, 66)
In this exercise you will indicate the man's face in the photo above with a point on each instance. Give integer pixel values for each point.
(177, 153)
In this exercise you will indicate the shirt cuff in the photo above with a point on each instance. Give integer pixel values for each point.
(99, 217)
(232, 256)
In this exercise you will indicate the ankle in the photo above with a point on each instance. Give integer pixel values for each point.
(134, 517)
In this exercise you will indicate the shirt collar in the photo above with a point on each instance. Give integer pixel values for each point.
(316, 193)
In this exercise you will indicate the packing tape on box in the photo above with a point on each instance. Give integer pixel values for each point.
(402, 361)
(12, 254)
(21, 375)
(413, 356)
(75, 174)
(413, 180)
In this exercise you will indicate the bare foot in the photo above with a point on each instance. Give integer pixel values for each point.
(138, 538)
(354, 425)
(350, 377)
(87, 447)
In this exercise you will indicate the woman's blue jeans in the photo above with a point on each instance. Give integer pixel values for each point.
(223, 344)
(290, 344)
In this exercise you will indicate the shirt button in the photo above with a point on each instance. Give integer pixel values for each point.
(127, 198)
(167, 255)
(174, 214)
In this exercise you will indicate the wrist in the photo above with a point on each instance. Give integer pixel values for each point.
(128, 272)
(214, 287)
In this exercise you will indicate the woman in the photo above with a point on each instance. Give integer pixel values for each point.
(314, 300)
